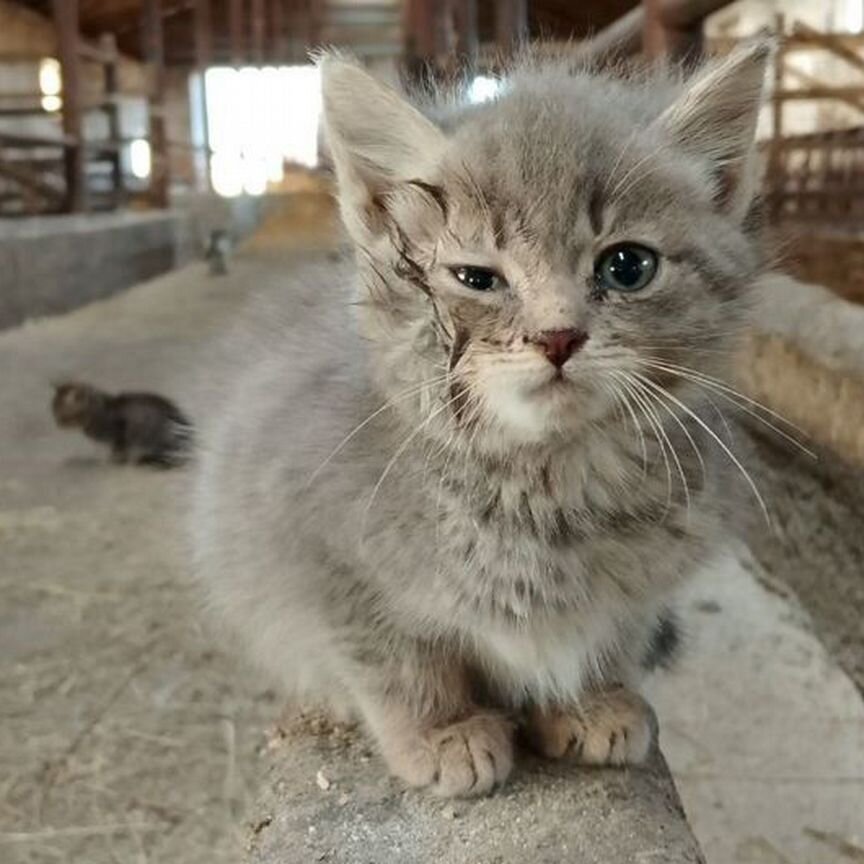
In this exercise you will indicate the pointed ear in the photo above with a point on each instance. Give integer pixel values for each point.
(715, 119)
(376, 140)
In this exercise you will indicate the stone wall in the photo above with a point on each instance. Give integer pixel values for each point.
(52, 264)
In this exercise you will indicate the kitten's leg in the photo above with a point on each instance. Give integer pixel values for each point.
(609, 727)
(444, 742)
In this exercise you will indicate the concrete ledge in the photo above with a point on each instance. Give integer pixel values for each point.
(52, 264)
(328, 799)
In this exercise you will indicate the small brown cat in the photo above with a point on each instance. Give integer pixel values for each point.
(141, 428)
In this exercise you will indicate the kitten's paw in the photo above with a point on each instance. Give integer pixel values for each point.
(466, 758)
(611, 727)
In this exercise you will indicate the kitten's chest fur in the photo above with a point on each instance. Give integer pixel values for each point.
(557, 534)
(552, 569)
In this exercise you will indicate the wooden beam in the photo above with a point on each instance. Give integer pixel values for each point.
(66, 18)
(33, 181)
(511, 23)
(203, 34)
(852, 99)
(820, 92)
(674, 28)
(235, 28)
(256, 28)
(465, 25)
(277, 31)
(203, 58)
(108, 43)
(681, 21)
(422, 35)
(154, 53)
(829, 43)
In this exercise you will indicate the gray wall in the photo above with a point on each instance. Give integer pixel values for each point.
(52, 264)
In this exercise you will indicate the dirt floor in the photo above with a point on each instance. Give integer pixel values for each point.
(125, 735)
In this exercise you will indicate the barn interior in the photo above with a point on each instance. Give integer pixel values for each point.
(159, 160)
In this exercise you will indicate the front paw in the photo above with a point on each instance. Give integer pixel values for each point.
(609, 727)
(467, 758)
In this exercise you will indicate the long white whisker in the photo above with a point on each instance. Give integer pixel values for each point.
(405, 394)
(625, 382)
(401, 449)
(718, 441)
(649, 397)
(725, 393)
(622, 396)
(725, 387)
(686, 432)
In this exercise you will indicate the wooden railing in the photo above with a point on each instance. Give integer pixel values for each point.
(818, 177)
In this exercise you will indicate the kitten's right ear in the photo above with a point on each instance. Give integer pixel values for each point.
(715, 119)
(376, 139)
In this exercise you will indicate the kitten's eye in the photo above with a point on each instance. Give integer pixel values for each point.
(478, 278)
(626, 267)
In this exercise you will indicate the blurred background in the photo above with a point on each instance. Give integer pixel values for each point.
(131, 106)
(159, 159)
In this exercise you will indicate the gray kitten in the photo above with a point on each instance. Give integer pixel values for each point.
(455, 491)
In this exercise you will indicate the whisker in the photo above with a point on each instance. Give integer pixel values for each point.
(625, 381)
(651, 398)
(686, 432)
(755, 489)
(401, 449)
(405, 394)
(724, 386)
(724, 393)
(638, 426)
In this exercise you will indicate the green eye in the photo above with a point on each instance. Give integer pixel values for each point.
(478, 278)
(627, 267)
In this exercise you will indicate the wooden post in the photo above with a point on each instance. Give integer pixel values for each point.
(465, 21)
(665, 35)
(108, 44)
(154, 52)
(314, 22)
(425, 44)
(277, 27)
(203, 34)
(203, 58)
(66, 20)
(257, 31)
(511, 23)
(235, 27)
(775, 149)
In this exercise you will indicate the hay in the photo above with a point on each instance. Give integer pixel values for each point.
(827, 404)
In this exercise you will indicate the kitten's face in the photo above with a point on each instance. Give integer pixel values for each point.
(72, 404)
(566, 253)
(555, 291)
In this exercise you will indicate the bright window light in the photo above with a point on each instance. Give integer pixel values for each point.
(226, 175)
(258, 119)
(50, 78)
(854, 17)
(51, 103)
(483, 88)
(140, 160)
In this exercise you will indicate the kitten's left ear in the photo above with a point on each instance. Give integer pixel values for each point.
(715, 119)
(376, 140)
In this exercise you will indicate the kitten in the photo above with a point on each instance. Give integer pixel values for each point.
(219, 248)
(140, 427)
(542, 284)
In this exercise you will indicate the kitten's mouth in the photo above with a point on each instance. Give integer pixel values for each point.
(555, 383)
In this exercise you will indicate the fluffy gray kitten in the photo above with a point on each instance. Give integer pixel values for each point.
(455, 491)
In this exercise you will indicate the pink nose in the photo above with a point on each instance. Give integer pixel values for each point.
(560, 345)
